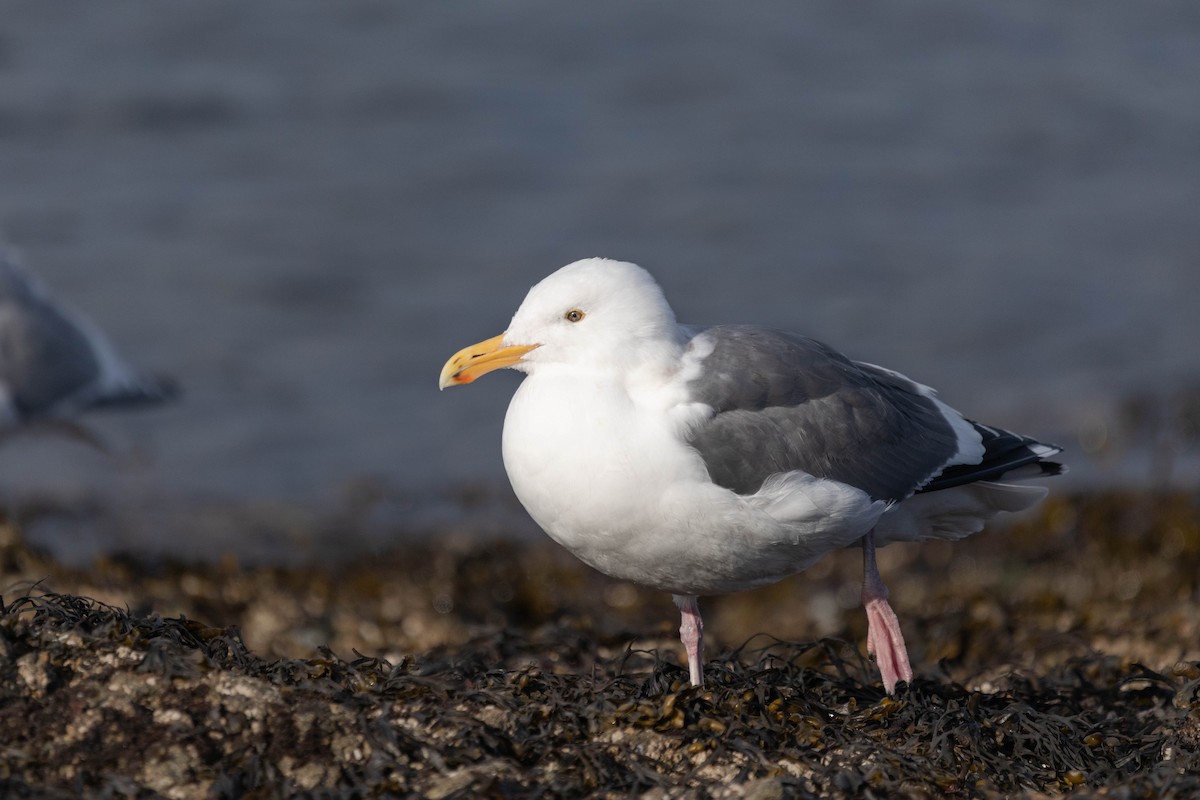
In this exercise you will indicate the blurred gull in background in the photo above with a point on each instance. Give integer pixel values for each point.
(55, 364)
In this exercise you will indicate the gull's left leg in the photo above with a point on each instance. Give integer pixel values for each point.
(691, 633)
(884, 639)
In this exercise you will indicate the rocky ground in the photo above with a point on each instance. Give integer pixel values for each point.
(1059, 655)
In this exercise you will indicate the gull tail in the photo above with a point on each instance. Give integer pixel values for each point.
(954, 513)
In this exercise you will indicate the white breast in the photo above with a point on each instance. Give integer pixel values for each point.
(591, 466)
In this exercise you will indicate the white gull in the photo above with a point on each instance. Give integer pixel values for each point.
(707, 460)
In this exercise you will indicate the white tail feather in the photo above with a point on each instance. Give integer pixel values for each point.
(953, 513)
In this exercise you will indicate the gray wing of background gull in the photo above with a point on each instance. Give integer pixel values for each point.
(783, 402)
(54, 363)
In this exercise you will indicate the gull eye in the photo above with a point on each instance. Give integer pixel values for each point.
(574, 315)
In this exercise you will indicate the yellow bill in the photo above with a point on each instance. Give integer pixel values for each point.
(479, 359)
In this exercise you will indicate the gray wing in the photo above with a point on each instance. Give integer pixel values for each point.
(50, 361)
(783, 402)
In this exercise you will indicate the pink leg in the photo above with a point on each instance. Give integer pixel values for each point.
(884, 640)
(691, 633)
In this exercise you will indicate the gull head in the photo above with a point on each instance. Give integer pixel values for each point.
(595, 314)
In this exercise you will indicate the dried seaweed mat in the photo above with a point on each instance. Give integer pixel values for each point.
(97, 701)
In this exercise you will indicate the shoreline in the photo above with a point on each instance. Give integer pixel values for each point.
(1057, 652)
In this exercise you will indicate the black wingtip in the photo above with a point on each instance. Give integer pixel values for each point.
(149, 390)
(1051, 468)
(1006, 454)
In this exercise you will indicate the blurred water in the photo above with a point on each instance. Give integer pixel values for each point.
(302, 208)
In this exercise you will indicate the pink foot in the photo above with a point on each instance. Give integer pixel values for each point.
(886, 643)
(884, 639)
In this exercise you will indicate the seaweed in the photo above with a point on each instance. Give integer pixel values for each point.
(1040, 687)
